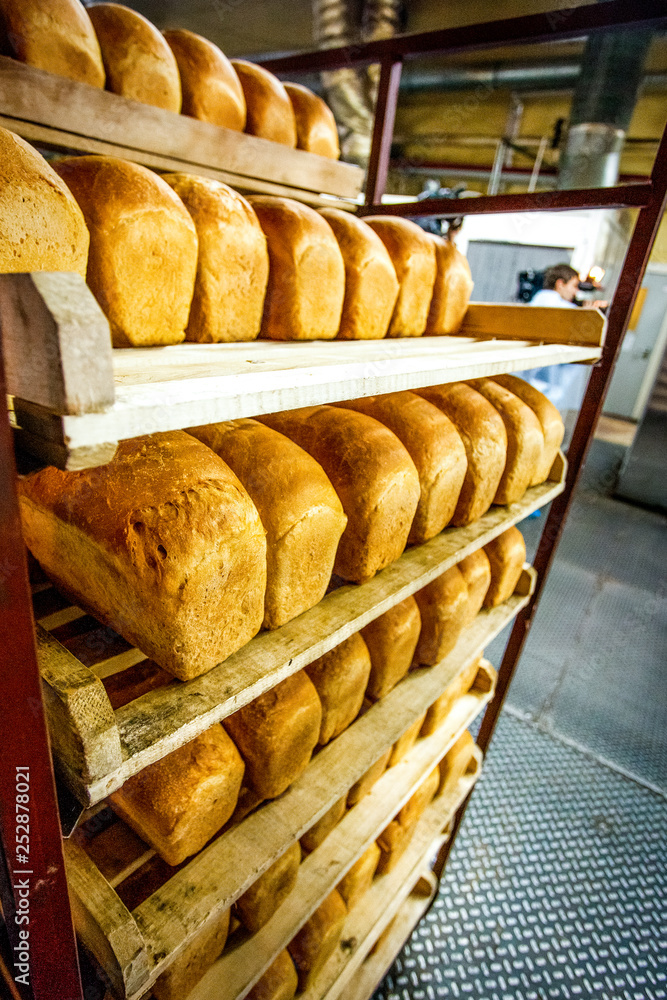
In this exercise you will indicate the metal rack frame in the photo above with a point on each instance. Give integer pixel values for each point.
(54, 972)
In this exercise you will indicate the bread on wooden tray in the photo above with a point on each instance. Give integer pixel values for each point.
(181, 977)
(279, 982)
(406, 741)
(181, 801)
(318, 939)
(41, 225)
(391, 640)
(270, 114)
(301, 513)
(277, 733)
(340, 678)
(211, 90)
(525, 440)
(363, 786)
(373, 475)
(485, 440)
(476, 572)
(316, 130)
(143, 248)
(319, 832)
(163, 544)
(306, 286)
(455, 763)
(443, 705)
(434, 445)
(412, 252)
(550, 420)
(359, 878)
(138, 62)
(371, 285)
(451, 291)
(506, 554)
(232, 262)
(443, 606)
(54, 35)
(258, 903)
(395, 838)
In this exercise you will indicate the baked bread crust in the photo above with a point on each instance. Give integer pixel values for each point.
(319, 832)
(476, 572)
(412, 253)
(442, 706)
(406, 741)
(210, 88)
(316, 129)
(270, 114)
(391, 640)
(316, 941)
(54, 35)
(359, 878)
(185, 972)
(340, 678)
(443, 606)
(506, 554)
(550, 420)
(455, 764)
(258, 903)
(279, 982)
(363, 786)
(451, 290)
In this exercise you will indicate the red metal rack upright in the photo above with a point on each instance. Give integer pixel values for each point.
(23, 741)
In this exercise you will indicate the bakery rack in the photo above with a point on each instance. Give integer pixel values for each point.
(68, 411)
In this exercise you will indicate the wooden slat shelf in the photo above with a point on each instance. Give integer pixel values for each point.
(97, 749)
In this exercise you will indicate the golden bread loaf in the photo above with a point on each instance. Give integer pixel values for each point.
(258, 903)
(455, 764)
(181, 801)
(270, 114)
(550, 420)
(506, 554)
(443, 705)
(143, 248)
(279, 982)
(360, 876)
(210, 88)
(306, 285)
(163, 544)
(318, 939)
(194, 960)
(417, 803)
(138, 62)
(340, 678)
(396, 837)
(391, 640)
(525, 440)
(434, 445)
(477, 575)
(451, 291)
(412, 253)
(443, 606)
(54, 35)
(371, 285)
(41, 225)
(316, 129)
(485, 440)
(277, 733)
(373, 475)
(301, 513)
(363, 786)
(406, 741)
(319, 832)
(232, 262)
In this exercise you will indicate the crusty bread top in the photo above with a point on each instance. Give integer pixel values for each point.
(138, 62)
(359, 243)
(269, 110)
(550, 420)
(316, 129)
(452, 288)
(41, 225)
(412, 252)
(279, 982)
(210, 87)
(54, 35)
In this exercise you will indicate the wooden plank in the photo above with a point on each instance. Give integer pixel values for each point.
(36, 96)
(226, 868)
(62, 617)
(116, 664)
(238, 970)
(56, 342)
(543, 324)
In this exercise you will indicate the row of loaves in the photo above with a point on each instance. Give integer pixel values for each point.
(185, 257)
(178, 70)
(186, 543)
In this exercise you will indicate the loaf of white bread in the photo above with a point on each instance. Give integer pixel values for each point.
(54, 35)
(318, 938)
(391, 640)
(412, 252)
(279, 982)
(211, 90)
(451, 291)
(506, 554)
(406, 741)
(41, 225)
(340, 678)
(456, 762)
(443, 606)
(181, 977)
(373, 475)
(143, 248)
(435, 447)
(371, 285)
(306, 285)
(443, 705)
(363, 786)
(301, 513)
(270, 114)
(258, 903)
(476, 572)
(319, 831)
(138, 62)
(550, 420)
(277, 733)
(163, 544)
(181, 801)
(359, 878)
(395, 838)
(316, 130)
